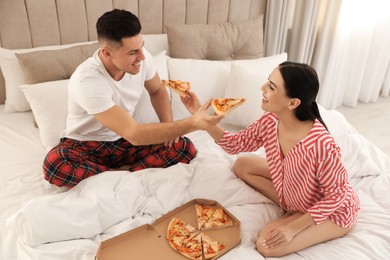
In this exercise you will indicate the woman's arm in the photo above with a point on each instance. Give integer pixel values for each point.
(285, 233)
(192, 103)
(332, 177)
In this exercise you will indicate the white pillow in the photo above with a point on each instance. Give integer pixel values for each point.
(208, 79)
(359, 157)
(245, 80)
(15, 100)
(13, 77)
(144, 111)
(156, 43)
(49, 104)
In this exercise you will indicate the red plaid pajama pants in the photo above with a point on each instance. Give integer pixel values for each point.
(72, 161)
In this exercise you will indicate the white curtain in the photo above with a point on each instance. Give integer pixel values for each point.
(347, 42)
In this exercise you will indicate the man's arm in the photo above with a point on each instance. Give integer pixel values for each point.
(119, 121)
(159, 98)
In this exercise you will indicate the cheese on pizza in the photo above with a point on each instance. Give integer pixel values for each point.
(210, 217)
(211, 247)
(184, 239)
(203, 213)
(189, 242)
(223, 106)
(218, 219)
(178, 86)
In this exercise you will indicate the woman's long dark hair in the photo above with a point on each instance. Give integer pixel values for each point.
(301, 81)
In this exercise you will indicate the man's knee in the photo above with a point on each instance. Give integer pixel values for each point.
(187, 150)
(60, 171)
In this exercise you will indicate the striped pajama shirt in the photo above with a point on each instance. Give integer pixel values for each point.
(310, 178)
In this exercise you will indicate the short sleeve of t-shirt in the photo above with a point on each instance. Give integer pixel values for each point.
(150, 67)
(94, 94)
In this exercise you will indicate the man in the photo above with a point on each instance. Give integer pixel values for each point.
(100, 131)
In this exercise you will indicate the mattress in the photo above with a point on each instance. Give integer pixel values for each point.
(41, 221)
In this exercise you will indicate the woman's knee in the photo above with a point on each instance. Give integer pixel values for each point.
(239, 168)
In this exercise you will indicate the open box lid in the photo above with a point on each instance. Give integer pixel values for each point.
(149, 242)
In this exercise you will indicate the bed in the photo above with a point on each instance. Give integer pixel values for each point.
(42, 221)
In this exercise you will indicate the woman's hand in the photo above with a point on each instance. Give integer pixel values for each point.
(191, 102)
(285, 233)
(278, 235)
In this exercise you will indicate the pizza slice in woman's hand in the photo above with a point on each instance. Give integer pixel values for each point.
(222, 106)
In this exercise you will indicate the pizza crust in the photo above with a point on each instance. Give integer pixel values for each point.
(178, 86)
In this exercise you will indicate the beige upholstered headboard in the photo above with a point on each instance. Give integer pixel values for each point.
(34, 23)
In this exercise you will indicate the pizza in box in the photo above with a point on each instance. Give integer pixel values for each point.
(191, 242)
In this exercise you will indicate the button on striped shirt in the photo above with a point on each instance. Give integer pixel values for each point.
(310, 178)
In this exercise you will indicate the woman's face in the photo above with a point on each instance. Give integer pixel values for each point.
(275, 99)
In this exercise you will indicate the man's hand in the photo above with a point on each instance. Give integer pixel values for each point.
(172, 142)
(202, 119)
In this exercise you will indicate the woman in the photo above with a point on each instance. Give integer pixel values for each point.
(302, 171)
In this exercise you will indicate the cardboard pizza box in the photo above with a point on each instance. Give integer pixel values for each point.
(148, 242)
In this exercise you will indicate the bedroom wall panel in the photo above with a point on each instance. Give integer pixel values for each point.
(43, 31)
(258, 7)
(14, 25)
(174, 12)
(94, 11)
(218, 11)
(130, 5)
(239, 10)
(72, 21)
(151, 15)
(197, 11)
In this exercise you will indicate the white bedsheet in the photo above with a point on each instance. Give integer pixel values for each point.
(75, 221)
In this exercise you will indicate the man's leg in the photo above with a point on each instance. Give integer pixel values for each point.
(161, 156)
(72, 161)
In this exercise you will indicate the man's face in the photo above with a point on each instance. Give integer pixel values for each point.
(128, 57)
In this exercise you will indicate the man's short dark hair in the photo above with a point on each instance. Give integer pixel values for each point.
(117, 24)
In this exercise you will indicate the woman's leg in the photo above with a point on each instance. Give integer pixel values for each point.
(254, 171)
(310, 236)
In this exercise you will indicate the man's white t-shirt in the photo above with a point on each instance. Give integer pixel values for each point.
(92, 90)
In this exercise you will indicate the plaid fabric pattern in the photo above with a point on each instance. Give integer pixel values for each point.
(72, 161)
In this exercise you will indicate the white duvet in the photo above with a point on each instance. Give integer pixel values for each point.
(70, 224)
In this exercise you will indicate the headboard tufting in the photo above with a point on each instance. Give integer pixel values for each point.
(27, 24)
(33, 23)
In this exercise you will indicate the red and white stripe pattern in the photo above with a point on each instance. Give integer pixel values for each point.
(310, 178)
